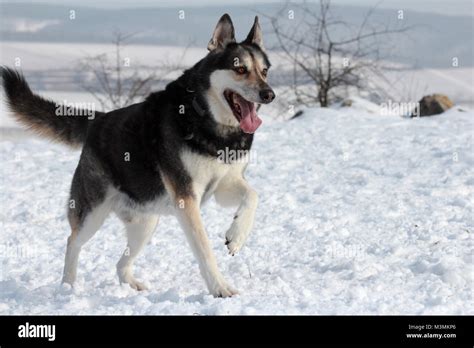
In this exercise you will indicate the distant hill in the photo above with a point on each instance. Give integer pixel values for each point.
(433, 43)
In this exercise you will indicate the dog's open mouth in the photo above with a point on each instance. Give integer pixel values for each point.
(244, 111)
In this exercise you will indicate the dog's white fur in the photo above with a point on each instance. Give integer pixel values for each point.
(225, 79)
(220, 109)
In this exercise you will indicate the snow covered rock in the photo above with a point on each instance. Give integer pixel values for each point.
(434, 104)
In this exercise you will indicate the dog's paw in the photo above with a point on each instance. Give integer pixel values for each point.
(126, 278)
(223, 289)
(235, 238)
(233, 246)
(136, 285)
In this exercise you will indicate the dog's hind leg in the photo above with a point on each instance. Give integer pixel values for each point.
(89, 205)
(139, 230)
(82, 229)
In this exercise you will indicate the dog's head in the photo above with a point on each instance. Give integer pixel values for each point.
(239, 81)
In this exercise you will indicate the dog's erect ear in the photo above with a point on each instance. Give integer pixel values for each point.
(255, 35)
(223, 34)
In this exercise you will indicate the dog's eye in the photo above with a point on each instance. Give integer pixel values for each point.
(265, 72)
(241, 70)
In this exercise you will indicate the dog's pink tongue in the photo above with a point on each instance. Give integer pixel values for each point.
(250, 120)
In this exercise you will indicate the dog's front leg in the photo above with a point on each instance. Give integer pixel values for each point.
(189, 216)
(236, 191)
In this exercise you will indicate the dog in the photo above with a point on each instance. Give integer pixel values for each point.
(162, 156)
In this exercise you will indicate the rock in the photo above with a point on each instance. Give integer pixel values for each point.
(347, 103)
(433, 105)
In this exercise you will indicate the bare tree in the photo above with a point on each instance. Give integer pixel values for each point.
(116, 82)
(327, 54)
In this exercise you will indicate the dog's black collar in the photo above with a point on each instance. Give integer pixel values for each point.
(198, 108)
(195, 104)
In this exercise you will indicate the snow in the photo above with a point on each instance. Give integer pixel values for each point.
(359, 214)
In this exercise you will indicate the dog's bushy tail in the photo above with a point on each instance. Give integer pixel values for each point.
(68, 126)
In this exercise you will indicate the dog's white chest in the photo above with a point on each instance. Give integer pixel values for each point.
(206, 172)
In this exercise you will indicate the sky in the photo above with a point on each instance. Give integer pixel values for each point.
(447, 7)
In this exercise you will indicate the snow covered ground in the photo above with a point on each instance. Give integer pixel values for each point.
(359, 214)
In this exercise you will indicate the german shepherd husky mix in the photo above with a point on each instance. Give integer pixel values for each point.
(173, 141)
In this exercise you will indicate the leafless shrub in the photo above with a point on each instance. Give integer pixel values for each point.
(116, 82)
(326, 64)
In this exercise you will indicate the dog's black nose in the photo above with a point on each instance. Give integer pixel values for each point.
(267, 95)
